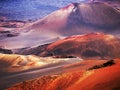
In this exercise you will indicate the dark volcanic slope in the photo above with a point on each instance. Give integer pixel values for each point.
(94, 45)
(35, 50)
(5, 51)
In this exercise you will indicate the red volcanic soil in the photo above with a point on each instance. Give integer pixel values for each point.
(88, 46)
(104, 78)
(101, 79)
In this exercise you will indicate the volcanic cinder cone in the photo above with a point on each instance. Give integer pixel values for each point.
(74, 19)
(89, 46)
(79, 18)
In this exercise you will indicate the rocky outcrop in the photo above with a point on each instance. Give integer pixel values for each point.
(108, 63)
(5, 51)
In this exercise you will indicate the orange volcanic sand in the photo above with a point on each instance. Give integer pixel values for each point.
(106, 78)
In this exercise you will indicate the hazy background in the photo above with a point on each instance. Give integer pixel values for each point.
(31, 9)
